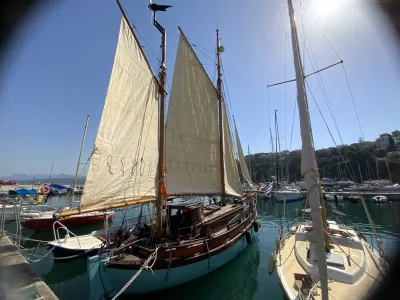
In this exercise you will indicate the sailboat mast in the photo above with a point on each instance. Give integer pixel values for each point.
(51, 171)
(248, 159)
(161, 189)
(309, 165)
(387, 166)
(276, 152)
(220, 118)
(79, 160)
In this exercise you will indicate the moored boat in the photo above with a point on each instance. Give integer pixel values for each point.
(287, 193)
(321, 259)
(380, 199)
(41, 221)
(178, 241)
(333, 197)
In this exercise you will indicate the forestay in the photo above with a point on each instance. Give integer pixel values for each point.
(124, 163)
(192, 145)
(232, 180)
(242, 161)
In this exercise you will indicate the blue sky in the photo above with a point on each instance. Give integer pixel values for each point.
(58, 67)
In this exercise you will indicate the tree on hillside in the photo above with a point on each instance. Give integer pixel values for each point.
(392, 146)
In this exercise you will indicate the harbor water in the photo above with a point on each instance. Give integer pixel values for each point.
(244, 278)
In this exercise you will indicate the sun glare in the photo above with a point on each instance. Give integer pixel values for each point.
(326, 7)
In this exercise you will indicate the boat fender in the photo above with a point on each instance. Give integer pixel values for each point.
(248, 237)
(272, 262)
(259, 224)
(293, 229)
(255, 226)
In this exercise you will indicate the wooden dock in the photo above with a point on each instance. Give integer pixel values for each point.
(17, 279)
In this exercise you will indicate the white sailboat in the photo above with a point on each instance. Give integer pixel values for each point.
(321, 259)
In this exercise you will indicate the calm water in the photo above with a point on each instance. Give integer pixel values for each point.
(244, 278)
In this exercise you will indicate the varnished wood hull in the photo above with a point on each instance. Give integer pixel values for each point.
(115, 279)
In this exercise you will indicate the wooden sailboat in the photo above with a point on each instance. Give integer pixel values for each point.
(322, 259)
(138, 154)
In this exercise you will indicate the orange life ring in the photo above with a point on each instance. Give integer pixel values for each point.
(45, 190)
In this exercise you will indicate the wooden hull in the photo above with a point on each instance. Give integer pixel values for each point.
(40, 224)
(164, 277)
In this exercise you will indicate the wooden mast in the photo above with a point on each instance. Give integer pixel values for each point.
(162, 138)
(79, 161)
(161, 188)
(309, 164)
(220, 118)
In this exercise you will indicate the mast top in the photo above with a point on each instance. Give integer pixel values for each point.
(155, 7)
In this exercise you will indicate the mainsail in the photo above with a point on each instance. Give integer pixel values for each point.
(232, 179)
(242, 160)
(124, 163)
(192, 145)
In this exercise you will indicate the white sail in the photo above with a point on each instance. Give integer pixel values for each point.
(192, 145)
(232, 179)
(242, 160)
(124, 163)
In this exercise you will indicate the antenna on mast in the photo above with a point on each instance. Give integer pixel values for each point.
(154, 8)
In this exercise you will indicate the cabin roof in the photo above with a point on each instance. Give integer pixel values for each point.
(185, 204)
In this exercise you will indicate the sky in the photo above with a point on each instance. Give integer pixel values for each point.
(58, 65)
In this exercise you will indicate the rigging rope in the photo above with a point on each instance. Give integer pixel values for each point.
(145, 266)
(272, 60)
(330, 133)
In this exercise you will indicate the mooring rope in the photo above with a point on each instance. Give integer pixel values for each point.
(145, 266)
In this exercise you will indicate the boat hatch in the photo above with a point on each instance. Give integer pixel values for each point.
(332, 259)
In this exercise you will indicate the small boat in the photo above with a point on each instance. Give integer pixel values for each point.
(333, 197)
(74, 247)
(78, 190)
(288, 193)
(45, 220)
(380, 199)
(25, 211)
(354, 198)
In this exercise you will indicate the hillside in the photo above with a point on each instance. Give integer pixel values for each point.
(329, 163)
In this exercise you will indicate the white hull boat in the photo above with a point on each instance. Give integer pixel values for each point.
(287, 194)
(380, 199)
(347, 274)
(25, 212)
(330, 197)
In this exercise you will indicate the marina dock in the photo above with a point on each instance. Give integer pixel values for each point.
(17, 279)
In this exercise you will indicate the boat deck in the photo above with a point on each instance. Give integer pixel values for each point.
(293, 252)
(224, 210)
(81, 242)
